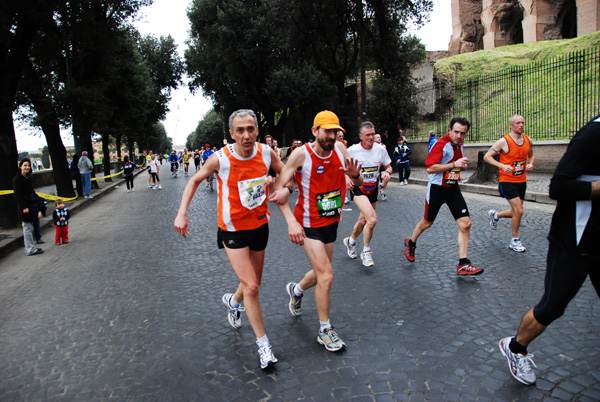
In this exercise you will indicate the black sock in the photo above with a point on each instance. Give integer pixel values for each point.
(412, 243)
(464, 261)
(516, 347)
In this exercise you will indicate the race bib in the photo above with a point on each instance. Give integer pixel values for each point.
(370, 179)
(253, 192)
(519, 167)
(452, 177)
(329, 204)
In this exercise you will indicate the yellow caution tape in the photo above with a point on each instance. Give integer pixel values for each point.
(106, 177)
(54, 197)
(51, 197)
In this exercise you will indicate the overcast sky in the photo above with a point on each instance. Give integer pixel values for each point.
(168, 17)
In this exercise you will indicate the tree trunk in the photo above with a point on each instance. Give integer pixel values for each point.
(83, 133)
(33, 86)
(106, 156)
(8, 168)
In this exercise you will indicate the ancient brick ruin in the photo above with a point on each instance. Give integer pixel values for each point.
(486, 24)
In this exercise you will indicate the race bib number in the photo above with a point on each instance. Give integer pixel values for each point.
(253, 192)
(329, 204)
(519, 168)
(370, 179)
(452, 177)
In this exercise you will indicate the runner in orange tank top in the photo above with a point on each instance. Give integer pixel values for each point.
(320, 169)
(242, 218)
(516, 159)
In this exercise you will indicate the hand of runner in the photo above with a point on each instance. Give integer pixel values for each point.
(386, 176)
(529, 167)
(280, 196)
(352, 168)
(462, 162)
(507, 168)
(181, 225)
(296, 232)
(349, 183)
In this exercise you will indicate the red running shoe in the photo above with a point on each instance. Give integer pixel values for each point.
(409, 251)
(468, 269)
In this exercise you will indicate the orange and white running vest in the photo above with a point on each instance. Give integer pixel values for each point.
(517, 158)
(243, 188)
(322, 188)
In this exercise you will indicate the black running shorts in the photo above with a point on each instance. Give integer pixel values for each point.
(451, 196)
(512, 190)
(255, 239)
(325, 234)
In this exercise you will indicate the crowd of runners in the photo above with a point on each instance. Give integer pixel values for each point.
(324, 170)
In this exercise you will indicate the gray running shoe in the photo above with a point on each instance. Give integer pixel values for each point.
(493, 221)
(234, 316)
(367, 258)
(295, 304)
(266, 356)
(330, 339)
(351, 250)
(518, 364)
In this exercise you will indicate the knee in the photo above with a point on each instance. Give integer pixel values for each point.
(372, 220)
(464, 224)
(251, 290)
(518, 212)
(425, 224)
(324, 279)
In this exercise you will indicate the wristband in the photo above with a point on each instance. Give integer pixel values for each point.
(357, 176)
(289, 189)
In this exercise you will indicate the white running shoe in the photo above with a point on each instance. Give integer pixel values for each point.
(367, 258)
(350, 249)
(266, 356)
(149, 185)
(493, 220)
(159, 187)
(133, 189)
(234, 316)
(402, 183)
(518, 364)
(515, 245)
(127, 190)
(405, 182)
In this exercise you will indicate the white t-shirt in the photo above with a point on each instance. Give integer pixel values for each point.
(153, 166)
(371, 160)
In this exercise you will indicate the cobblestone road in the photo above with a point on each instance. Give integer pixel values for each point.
(130, 311)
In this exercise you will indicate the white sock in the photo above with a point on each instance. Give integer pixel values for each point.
(263, 340)
(366, 249)
(496, 216)
(233, 303)
(324, 325)
(351, 241)
(298, 290)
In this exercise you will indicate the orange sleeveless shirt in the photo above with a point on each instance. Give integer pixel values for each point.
(517, 158)
(243, 188)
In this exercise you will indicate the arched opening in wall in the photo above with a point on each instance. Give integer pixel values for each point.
(508, 21)
(567, 20)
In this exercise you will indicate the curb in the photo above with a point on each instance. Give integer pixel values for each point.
(14, 237)
(542, 198)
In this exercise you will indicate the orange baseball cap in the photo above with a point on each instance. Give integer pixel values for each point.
(328, 120)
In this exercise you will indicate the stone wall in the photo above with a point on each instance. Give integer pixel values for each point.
(547, 153)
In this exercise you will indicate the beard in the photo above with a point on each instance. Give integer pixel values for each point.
(326, 144)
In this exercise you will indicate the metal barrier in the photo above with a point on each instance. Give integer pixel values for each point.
(556, 97)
